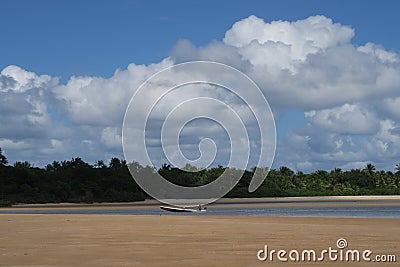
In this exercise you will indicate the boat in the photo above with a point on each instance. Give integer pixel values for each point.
(182, 209)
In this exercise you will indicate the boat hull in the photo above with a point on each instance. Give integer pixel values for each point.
(176, 209)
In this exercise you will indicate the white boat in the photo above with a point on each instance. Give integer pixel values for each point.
(178, 209)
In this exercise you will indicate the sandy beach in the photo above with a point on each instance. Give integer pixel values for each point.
(122, 240)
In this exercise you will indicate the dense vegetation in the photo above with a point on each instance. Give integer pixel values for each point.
(77, 181)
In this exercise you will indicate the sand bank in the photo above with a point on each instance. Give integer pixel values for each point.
(121, 240)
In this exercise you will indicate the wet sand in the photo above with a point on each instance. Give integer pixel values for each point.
(123, 240)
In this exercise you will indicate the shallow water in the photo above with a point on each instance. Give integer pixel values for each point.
(346, 210)
(330, 211)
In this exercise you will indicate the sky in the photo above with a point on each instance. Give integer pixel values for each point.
(330, 71)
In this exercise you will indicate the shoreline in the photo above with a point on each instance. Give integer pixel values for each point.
(149, 203)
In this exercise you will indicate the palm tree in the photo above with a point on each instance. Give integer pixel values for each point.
(369, 169)
(337, 170)
(285, 171)
(115, 163)
(397, 168)
(23, 165)
(3, 159)
(100, 164)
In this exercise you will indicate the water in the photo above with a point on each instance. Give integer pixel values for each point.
(329, 212)
(347, 210)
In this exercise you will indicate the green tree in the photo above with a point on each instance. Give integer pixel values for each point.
(3, 159)
(20, 164)
(370, 169)
(285, 171)
(100, 164)
(397, 168)
(116, 163)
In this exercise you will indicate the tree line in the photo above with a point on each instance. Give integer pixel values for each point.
(80, 182)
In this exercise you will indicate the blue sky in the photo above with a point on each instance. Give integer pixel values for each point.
(62, 39)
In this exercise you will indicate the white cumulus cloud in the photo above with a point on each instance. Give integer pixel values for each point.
(349, 96)
(346, 119)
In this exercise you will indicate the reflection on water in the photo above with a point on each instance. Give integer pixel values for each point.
(346, 210)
